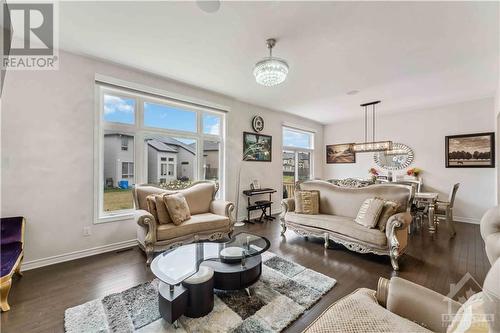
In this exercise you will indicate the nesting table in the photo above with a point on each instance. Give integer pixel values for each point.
(236, 264)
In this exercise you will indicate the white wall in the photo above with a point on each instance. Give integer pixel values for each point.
(47, 152)
(425, 131)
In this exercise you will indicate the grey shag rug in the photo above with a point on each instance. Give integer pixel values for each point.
(285, 290)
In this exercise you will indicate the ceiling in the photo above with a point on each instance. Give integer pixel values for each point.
(407, 54)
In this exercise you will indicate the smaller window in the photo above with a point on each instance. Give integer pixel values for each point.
(124, 143)
(164, 159)
(211, 124)
(170, 159)
(127, 170)
(119, 109)
(297, 138)
(185, 163)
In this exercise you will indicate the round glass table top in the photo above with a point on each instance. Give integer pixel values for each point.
(175, 265)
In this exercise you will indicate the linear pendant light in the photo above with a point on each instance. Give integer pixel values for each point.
(371, 146)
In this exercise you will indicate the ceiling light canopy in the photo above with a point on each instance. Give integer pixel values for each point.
(270, 71)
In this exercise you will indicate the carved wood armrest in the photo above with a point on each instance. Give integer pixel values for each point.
(224, 208)
(144, 219)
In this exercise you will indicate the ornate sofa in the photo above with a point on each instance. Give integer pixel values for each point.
(399, 305)
(338, 208)
(210, 219)
(12, 253)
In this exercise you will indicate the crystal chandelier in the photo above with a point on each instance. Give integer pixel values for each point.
(369, 146)
(270, 71)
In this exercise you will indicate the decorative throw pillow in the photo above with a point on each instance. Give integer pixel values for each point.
(161, 209)
(369, 212)
(151, 203)
(390, 208)
(470, 318)
(307, 202)
(177, 207)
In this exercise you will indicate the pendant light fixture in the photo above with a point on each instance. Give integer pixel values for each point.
(270, 71)
(371, 146)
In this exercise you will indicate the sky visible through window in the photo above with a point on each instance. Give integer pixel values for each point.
(119, 109)
(122, 110)
(296, 139)
(163, 116)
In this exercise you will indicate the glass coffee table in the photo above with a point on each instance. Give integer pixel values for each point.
(236, 259)
(236, 264)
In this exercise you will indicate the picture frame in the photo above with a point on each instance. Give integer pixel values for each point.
(340, 153)
(257, 147)
(475, 150)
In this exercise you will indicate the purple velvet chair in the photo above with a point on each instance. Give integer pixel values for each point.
(12, 252)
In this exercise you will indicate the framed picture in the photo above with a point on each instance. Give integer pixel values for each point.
(257, 147)
(470, 150)
(340, 153)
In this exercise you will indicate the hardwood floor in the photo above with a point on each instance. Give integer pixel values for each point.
(38, 299)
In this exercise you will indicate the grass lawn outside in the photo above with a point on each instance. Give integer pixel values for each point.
(117, 199)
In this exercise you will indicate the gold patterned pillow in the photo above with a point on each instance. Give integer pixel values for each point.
(369, 212)
(151, 203)
(177, 207)
(307, 202)
(390, 208)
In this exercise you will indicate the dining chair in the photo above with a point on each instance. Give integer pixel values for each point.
(444, 209)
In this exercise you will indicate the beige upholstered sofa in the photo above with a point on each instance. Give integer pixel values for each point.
(399, 305)
(210, 219)
(338, 208)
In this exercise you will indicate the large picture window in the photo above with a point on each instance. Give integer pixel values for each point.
(298, 149)
(144, 138)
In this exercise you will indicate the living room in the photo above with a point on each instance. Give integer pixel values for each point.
(274, 138)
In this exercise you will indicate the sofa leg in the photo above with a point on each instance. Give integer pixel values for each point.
(394, 262)
(149, 254)
(327, 240)
(283, 228)
(4, 291)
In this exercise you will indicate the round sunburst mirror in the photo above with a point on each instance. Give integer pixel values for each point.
(400, 157)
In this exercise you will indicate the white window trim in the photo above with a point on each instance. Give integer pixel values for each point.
(140, 132)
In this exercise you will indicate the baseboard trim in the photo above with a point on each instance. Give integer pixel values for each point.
(466, 219)
(37, 263)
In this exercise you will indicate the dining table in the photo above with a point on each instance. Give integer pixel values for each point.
(428, 199)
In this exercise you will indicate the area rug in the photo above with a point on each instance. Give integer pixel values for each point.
(285, 290)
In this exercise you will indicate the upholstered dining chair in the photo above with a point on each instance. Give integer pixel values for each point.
(12, 247)
(444, 209)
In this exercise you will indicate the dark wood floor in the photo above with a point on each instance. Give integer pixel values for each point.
(38, 299)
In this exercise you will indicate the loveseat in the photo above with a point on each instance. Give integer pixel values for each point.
(338, 207)
(211, 219)
(399, 305)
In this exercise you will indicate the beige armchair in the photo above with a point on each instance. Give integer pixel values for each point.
(210, 219)
(399, 305)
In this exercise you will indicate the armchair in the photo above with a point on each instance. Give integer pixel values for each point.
(12, 248)
(210, 219)
(444, 209)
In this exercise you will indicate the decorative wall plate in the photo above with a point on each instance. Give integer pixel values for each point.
(400, 157)
(257, 123)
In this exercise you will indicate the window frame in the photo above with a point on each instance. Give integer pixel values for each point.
(140, 133)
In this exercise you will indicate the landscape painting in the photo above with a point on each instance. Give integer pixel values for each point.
(340, 153)
(257, 147)
(470, 150)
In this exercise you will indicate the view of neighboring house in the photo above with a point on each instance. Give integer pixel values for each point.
(170, 159)
(119, 159)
